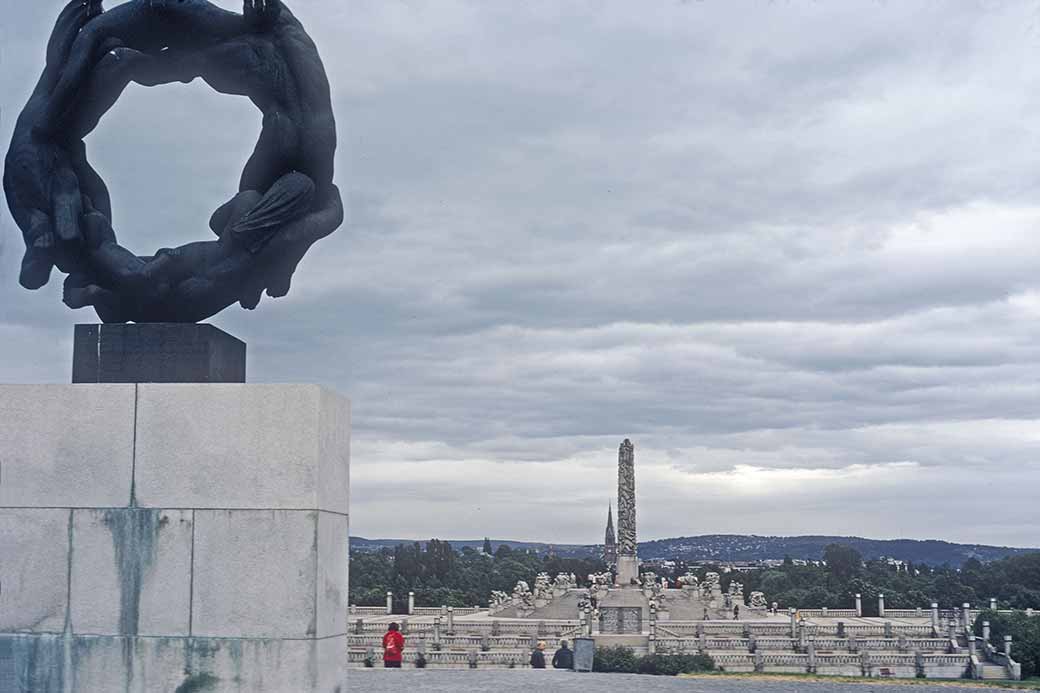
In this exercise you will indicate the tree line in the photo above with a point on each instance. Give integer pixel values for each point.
(834, 582)
(440, 575)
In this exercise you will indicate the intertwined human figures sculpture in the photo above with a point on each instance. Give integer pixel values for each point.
(286, 199)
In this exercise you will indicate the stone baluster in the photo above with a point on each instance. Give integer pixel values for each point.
(952, 628)
(917, 612)
(824, 612)
(588, 620)
(935, 618)
(451, 620)
(993, 603)
(389, 603)
(404, 626)
(985, 631)
(444, 612)
(811, 648)
(794, 621)
(437, 631)
(411, 603)
(881, 606)
(859, 605)
(1007, 646)
(966, 609)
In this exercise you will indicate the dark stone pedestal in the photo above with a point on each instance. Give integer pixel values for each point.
(157, 353)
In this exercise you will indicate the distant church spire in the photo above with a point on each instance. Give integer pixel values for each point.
(610, 541)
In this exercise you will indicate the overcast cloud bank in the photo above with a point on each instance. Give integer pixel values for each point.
(789, 249)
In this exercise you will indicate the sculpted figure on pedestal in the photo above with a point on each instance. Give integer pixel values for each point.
(689, 580)
(499, 599)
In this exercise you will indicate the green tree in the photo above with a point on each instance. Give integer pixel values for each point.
(843, 562)
(1025, 634)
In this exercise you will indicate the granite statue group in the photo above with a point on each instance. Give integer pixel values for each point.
(286, 199)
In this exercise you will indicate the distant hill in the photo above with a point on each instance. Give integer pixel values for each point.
(563, 550)
(566, 550)
(736, 547)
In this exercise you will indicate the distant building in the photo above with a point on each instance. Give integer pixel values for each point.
(610, 540)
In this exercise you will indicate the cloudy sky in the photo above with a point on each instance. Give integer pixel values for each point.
(788, 248)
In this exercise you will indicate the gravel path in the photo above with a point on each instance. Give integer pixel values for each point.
(549, 681)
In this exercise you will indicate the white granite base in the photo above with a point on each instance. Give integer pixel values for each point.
(173, 538)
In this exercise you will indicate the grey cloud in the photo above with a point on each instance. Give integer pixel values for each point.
(783, 241)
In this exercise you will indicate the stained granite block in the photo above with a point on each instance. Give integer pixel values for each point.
(255, 573)
(54, 664)
(242, 446)
(66, 445)
(34, 560)
(131, 571)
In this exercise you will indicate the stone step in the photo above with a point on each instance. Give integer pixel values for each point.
(993, 672)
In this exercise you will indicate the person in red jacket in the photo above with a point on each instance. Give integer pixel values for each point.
(393, 647)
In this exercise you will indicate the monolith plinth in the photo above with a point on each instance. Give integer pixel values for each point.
(157, 353)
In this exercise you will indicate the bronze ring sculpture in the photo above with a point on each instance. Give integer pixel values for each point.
(286, 199)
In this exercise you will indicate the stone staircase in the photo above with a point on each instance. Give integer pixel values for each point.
(991, 672)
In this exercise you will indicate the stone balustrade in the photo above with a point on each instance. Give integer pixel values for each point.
(543, 629)
(905, 643)
(366, 610)
(449, 659)
(437, 610)
(829, 613)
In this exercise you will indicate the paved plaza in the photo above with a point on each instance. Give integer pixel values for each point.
(550, 681)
